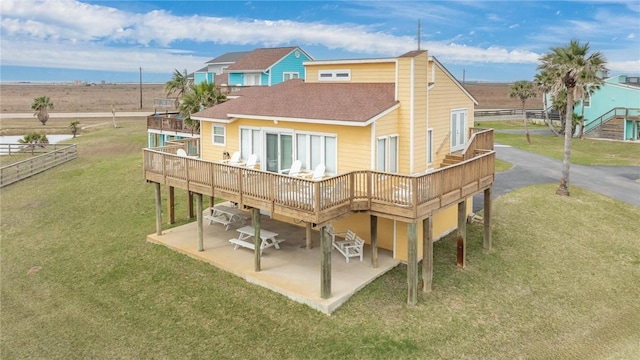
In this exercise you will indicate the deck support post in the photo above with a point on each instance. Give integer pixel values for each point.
(158, 209)
(171, 205)
(487, 219)
(412, 264)
(462, 233)
(200, 210)
(189, 204)
(427, 255)
(325, 263)
(308, 235)
(374, 241)
(255, 219)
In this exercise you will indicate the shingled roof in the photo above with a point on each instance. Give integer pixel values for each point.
(229, 57)
(296, 100)
(260, 59)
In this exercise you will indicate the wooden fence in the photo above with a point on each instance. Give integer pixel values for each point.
(51, 155)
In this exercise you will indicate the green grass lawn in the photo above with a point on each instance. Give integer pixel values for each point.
(79, 280)
(583, 151)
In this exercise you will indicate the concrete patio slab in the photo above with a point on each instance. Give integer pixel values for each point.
(292, 270)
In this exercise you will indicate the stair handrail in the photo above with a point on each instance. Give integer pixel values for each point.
(609, 115)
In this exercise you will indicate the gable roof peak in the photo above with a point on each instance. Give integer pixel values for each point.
(413, 53)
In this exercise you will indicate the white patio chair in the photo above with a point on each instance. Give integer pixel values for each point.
(234, 159)
(351, 246)
(181, 152)
(318, 172)
(251, 161)
(294, 170)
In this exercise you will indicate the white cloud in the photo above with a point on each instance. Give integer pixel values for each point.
(71, 34)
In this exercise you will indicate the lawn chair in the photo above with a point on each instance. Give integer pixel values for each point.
(181, 152)
(234, 159)
(318, 173)
(251, 161)
(351, 246)
(294, 170)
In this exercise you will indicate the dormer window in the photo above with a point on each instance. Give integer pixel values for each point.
(334, 75)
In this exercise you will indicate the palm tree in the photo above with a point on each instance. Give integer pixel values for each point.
(179, 84)
(523, 90)
(42, 105)
(543, 84)
(34, 139)
(571, 67)
(74, 127)
(199, 97)
(559, 102)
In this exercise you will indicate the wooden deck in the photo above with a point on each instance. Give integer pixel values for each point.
(407, 198)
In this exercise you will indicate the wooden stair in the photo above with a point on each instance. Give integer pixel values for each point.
(612, 129)
(451, 159)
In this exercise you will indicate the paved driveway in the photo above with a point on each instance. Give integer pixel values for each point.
(619, 182)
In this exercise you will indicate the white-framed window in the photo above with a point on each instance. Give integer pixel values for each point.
(290, 75)
(334, 75)
(387, 154)
(314, 149)
(250, 142)
(587, 101)
(430, 146)
(218, 134)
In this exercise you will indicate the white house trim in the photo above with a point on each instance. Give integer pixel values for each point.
(316, 121)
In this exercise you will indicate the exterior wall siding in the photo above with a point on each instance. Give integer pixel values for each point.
(236, 79)
(444, 97)
(361, 73)
(199, 77)
(354, 146)
(609, 96)
(289, 63)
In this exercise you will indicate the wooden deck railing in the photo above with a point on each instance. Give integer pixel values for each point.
(169, 122)
(55, 155)
(480, 140)
(402, 197)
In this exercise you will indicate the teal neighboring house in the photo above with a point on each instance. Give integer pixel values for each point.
(267, 67)
(217, 66)
(613, 111)
(259, 67)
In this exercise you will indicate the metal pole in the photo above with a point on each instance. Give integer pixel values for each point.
(140, 87)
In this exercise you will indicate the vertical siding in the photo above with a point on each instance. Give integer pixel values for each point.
(420, 114)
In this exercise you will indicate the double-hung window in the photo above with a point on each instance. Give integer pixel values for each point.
(250, 142)
(218, 134)
(289, 75)
(387, 154)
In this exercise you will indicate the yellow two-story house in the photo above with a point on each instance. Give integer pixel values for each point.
(401, 160)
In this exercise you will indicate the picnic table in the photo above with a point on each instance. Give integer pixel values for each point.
(245, 239)
(225, 215)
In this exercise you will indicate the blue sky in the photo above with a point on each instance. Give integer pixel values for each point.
(66, 40)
